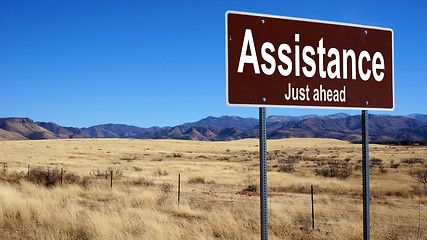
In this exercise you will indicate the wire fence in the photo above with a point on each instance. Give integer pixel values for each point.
(408, 214)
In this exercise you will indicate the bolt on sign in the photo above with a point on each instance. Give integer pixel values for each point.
(274, 61)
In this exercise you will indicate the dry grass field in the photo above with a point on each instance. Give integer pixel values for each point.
(219, 189)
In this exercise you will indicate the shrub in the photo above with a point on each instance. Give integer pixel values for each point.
(70, 178)
(165, 189)
(251, 188)
(49, 177)
(12, 177)
(375, 161)
(106, 173)
(419, 175)
(129, 158)
(196, 180)
(335, 168)
(41, 176)
(382, 170)
(137, 169)
(85, 182)
(287, 168)
(294, 158)
(413, 160)
(142, 182)
(160, 173)
(100, 173)
(394, 165)
(419, 190)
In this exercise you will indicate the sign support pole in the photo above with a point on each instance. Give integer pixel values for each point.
(365, 174)
(263, 172)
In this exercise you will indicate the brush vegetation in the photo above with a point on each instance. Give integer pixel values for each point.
(219, 189)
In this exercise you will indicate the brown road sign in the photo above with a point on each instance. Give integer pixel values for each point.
(274, 61)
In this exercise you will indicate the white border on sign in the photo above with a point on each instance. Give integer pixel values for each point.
(304, 20)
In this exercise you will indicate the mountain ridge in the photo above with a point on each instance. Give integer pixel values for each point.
(224, 128)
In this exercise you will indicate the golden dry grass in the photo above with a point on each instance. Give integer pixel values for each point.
(143, 201)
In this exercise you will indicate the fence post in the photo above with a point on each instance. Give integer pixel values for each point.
(179, 188)
(312, 207)
(419, 219)
(111, 184)
(4, 167)
(61, 176)
(28, 173)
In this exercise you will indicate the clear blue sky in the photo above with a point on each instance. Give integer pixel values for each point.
(147, 63)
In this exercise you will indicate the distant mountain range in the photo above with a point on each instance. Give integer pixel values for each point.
(382, 128)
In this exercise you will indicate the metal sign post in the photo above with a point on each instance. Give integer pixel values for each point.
(365, 174)
(263, 172)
